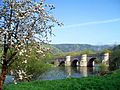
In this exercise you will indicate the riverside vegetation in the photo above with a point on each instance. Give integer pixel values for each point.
(110, 81)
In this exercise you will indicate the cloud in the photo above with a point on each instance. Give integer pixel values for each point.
(92, 23)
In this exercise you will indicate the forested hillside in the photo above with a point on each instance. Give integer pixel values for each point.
(80, 47)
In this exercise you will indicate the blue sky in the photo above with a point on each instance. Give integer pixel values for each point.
(94, 22)
(87, 21)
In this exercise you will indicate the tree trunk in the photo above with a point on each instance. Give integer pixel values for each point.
(4, 65)
(3, 75)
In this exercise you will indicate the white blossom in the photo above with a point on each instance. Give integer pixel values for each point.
(24, 61)
(40, 51)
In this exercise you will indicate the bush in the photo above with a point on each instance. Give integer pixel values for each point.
(103, 69)
(29, 64)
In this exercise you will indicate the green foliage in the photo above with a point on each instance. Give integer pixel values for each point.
(59, 55)
(107, 82)
(31, 62)
(106, 51)
(97, 61)
(88, 51)
(73, 53)
(115, 57)
(67, 54)
(53, 49)
(103, 69)
(80, 47)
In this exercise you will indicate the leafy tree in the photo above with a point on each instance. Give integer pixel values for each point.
(29, 64)
(106, 51)
(97, 61)
(88, 51)
(103, 69)
(72, 54)
(115, 58)
(22, 21)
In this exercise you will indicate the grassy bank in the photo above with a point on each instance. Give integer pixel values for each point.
(107, 82)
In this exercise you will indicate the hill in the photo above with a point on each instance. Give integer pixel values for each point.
(79, 47)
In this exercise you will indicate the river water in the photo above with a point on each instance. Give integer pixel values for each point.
(68, 72)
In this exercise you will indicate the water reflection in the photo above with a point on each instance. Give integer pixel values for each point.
(68, 72)
(83, 71)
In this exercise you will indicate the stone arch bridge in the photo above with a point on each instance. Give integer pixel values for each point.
(86, 60)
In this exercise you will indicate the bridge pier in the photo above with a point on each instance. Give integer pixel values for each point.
(56, 62)
(83, 61)
(68, 61)
(106, 59)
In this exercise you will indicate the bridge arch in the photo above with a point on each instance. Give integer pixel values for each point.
(91, 62)
(74, 63)
(62, 63)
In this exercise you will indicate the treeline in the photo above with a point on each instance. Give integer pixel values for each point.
(115, 58)
(80, 47)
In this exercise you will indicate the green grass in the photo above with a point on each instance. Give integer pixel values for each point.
(107, 82)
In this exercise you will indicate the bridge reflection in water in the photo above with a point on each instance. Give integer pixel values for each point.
(80, 71)
(68, 72)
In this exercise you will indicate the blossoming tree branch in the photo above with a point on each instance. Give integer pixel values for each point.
(21, 22)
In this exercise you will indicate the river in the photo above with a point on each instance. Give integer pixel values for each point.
(68, 72)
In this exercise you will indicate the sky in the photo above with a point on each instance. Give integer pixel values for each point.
(95, 22)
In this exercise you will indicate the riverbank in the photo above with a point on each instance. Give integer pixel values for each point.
(106, 82)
